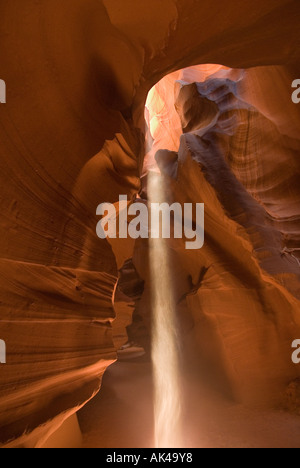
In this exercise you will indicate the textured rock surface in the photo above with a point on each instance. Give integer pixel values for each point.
(292, 397)
(78, 72)
(239, 296)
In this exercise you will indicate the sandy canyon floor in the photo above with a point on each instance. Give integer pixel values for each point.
(120, 416)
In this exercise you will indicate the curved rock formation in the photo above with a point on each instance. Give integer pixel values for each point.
(72, 132)
(241, 308)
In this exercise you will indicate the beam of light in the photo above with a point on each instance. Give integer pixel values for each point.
(165, 355)
(163, 131)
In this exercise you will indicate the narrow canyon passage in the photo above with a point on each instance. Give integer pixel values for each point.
(219, 122)
(100, 95)
(121, 416)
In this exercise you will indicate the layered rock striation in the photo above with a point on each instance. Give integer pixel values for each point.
(72, 132)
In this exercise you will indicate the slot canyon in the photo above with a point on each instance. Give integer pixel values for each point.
(161, 101)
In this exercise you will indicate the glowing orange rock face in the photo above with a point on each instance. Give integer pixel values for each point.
(243, 312)
(72, 137)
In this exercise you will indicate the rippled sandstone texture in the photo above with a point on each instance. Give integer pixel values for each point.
(77, 73)
(238, 297)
